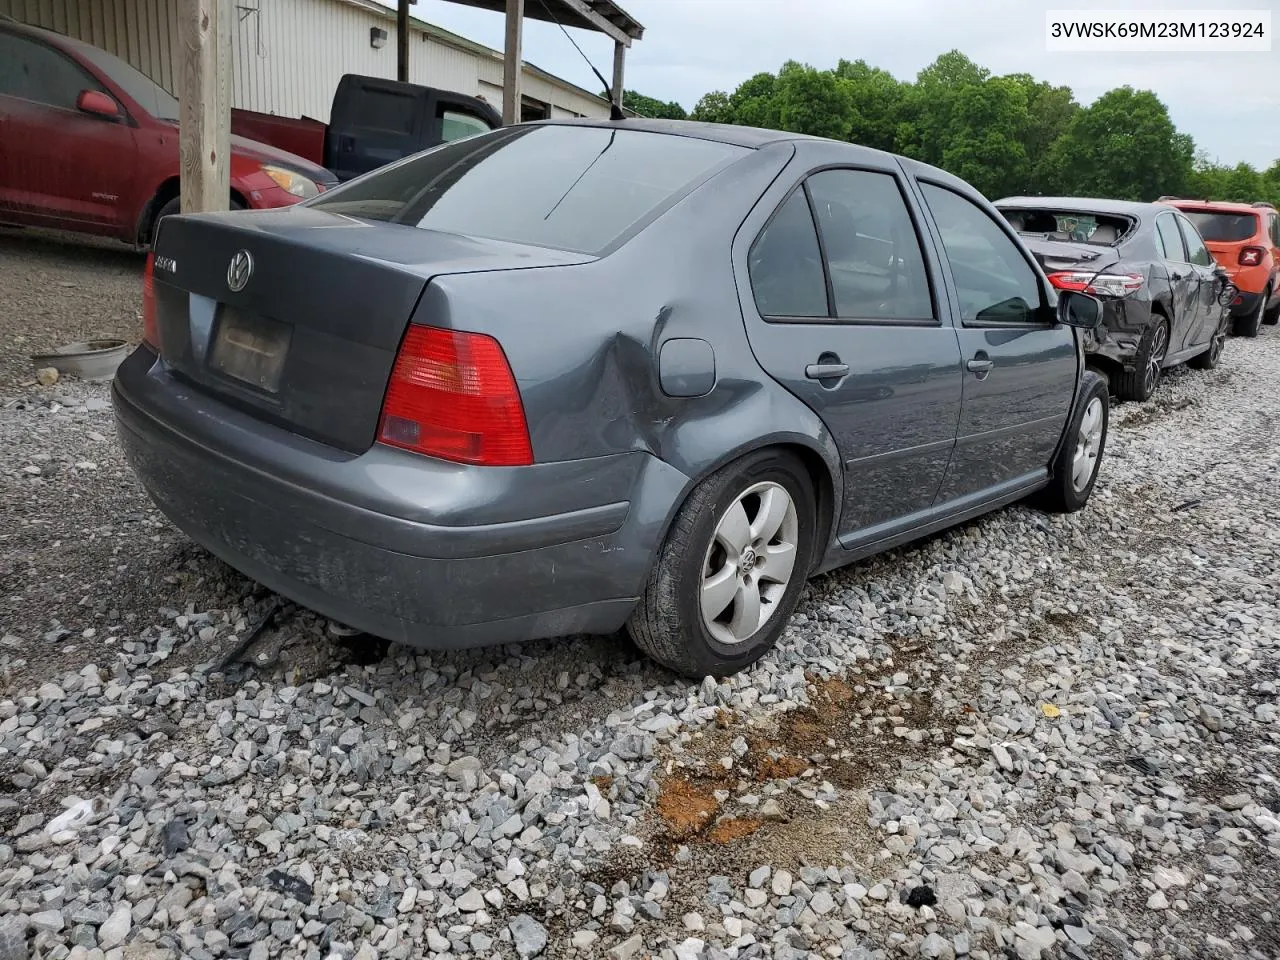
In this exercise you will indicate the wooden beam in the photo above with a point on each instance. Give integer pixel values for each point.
(603, 24)
(402, 41)
(619, 61)
(204, 141)
(513, 63)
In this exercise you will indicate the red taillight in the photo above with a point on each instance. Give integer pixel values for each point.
(1251, 256)
(452, 395)
(1102, 284)
(150, 326)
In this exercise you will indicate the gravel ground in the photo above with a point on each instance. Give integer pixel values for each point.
(1029, 737)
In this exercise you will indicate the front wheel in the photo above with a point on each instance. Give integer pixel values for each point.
(1075, 471)
(730, 572)
(1213, 354)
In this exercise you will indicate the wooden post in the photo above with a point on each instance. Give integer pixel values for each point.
(512, 98)
(619, 60)
(204, 141)
(402, 41)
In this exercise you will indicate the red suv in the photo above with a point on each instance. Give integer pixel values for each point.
(91, 145)
(1245, 239)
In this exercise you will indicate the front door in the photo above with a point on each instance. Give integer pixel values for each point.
(1208, 314)
(1020, 365)
(845, 318)
(59, 164)
(1184, 282)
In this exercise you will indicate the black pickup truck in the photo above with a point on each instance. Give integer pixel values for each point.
(373, 121)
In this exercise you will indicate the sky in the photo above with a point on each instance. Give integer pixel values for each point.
(1228, 102)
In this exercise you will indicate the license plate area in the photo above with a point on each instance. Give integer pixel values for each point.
(250, 348)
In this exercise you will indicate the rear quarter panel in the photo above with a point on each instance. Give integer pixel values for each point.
(583, 341)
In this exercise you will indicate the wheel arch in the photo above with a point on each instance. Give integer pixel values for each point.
(167, 190)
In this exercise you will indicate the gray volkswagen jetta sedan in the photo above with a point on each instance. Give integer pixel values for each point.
(569, 376)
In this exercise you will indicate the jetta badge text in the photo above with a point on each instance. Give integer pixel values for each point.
(239, 270)
(167, 264)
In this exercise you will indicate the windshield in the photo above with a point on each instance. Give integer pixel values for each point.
(1074, 226)
(150, 96)
(1223, 227)
(575, 188)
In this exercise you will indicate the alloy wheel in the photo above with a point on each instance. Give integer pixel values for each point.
(1088, 444)
(749, 563)
(1159, 346)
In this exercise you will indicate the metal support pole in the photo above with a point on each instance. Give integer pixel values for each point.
(512, 63)
(402, 41)
(204, 129)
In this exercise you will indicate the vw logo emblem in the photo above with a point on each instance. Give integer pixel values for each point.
(239, 270)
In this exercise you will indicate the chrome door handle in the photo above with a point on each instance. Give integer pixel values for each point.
(826, 371)
(980, 366)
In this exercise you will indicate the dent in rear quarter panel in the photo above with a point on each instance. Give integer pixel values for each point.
(583, 342)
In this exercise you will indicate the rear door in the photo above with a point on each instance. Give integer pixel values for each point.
(1207, 312)
(57, 163)
(1020, 365)
(1183, 280)
(840, 309)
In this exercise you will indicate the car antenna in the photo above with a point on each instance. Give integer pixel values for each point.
(615, 107)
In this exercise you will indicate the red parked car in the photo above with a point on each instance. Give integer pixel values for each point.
(89, 144)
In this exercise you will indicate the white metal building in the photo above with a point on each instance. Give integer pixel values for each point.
(287, 55)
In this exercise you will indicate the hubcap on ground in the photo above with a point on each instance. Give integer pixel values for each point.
(1088, 444)
(749, 563)
(1159, 344)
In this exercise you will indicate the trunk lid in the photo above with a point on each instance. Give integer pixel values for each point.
(1054, 255)
(309, 338)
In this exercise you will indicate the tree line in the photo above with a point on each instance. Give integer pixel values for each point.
(1006, 135)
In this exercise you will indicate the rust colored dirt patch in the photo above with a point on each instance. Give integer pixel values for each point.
(780, 768)
(684, 808)
(734, 828)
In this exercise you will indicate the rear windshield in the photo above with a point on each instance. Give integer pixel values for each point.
(1223, 227)
(1072, 226)
(569, 187)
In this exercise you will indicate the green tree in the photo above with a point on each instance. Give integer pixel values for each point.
(755, 102)
(1050, 110)
(1123, 146)
(652, 107)
(877, 98)
(816, 102)
(713, 107)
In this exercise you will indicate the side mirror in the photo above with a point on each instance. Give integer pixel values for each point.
(1076, 309)
(98, 104)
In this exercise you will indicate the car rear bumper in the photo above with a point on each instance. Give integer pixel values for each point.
(423, 552)
(1246, 304)
(1124, 323)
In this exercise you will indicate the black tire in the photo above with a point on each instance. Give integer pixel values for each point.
(667, 623)
(1249, 326)
(1062, 495)
(1212, 355)
(1141, 382)
(174, 205)
(1271, 315)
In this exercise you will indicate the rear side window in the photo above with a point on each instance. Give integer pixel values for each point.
(568, 187)
(785, 264)
(455, 125)
(873, 254)
(1197, 252)
(32, 71)
(1223, 227)
(1170, 239)
(1275, 229)
(994, 281)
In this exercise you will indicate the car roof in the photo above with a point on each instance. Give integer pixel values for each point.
(752, 137)
(1124, 208)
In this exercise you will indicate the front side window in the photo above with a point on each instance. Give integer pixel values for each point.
(1170, 239)
(785, 264)
(574, 188)
(456, 125)
(1275, 229)
(144, 91)
(33, 71)
(873, 253)
(1197, 252)
(994, 281)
